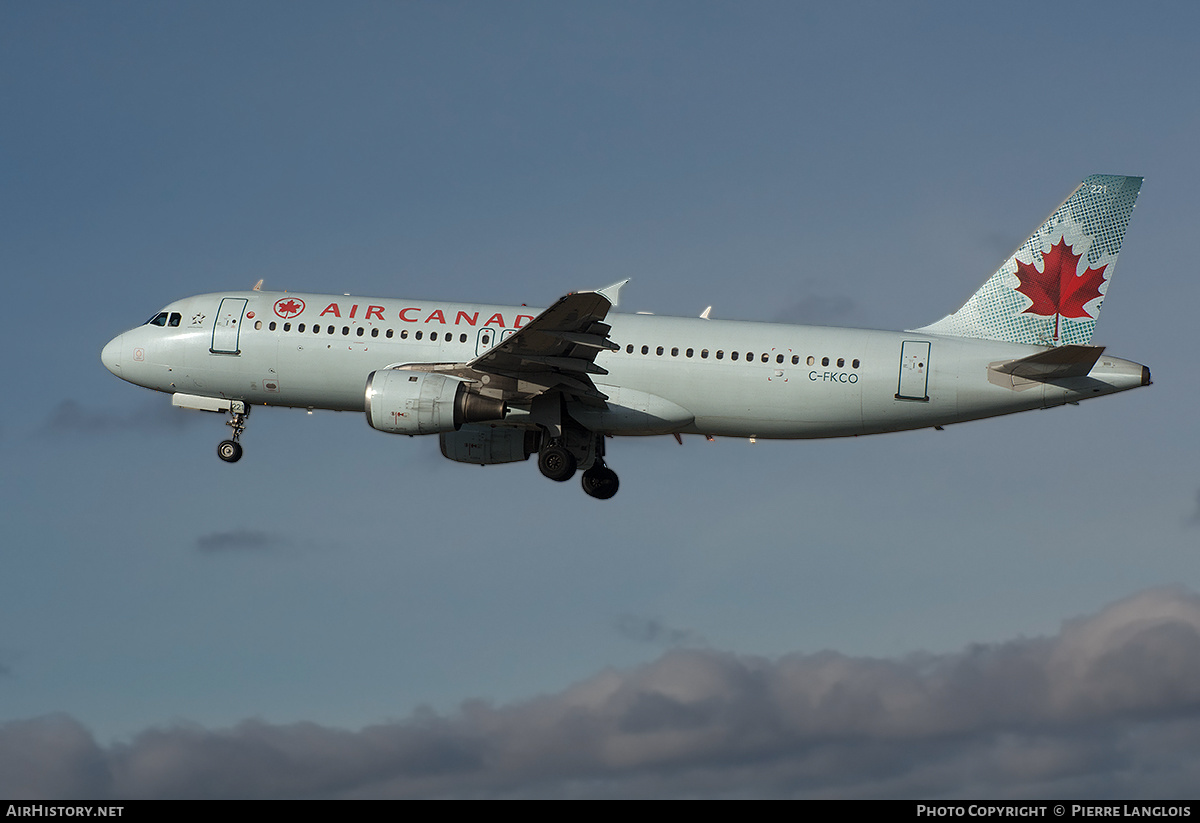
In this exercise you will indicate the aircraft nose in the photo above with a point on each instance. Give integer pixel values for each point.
(110, 356)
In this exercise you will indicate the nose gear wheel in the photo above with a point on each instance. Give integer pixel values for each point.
(231, 450)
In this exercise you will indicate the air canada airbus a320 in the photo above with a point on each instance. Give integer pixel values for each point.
(500, 383)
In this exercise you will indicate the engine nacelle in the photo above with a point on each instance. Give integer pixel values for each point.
(409, 402)
(483, 445)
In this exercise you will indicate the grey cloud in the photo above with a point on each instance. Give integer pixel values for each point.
(70, 417)
(1108, 707)
(7, 658)
(52, 757)
(655, 631)
(818, 310)
(240, 540)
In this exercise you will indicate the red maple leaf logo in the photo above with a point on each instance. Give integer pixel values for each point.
(1058, 289)
(289, 307)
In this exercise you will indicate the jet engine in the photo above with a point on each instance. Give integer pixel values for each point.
(408, 402)
(484, 445)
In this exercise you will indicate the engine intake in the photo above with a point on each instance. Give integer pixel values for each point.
(408, 402)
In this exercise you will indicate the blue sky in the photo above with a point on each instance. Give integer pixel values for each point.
(863, 164)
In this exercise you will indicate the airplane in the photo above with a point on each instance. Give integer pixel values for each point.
(498, 384)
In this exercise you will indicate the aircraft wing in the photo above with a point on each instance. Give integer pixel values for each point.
(556, 350)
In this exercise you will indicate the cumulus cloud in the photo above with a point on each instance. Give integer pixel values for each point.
(1108, 707)
(52, 756)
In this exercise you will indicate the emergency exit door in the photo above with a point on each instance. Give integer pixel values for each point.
(914, 370)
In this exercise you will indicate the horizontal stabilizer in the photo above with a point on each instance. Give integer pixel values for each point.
(1053, 364)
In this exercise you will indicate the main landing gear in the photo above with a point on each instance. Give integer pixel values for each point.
(559, 463)
(231, 450)
(556, 462)
(600, 481)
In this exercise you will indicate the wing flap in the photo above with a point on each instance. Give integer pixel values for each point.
(557, 349)
(592, 341)
(567, 364)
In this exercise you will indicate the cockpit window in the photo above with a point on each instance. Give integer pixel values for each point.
(159, 319)
(175, 318)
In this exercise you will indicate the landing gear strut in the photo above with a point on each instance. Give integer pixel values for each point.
(231, 450)
(566, 446)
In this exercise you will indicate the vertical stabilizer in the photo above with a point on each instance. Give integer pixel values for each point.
(1049, 291)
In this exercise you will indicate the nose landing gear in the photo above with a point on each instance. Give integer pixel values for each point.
(231, 450)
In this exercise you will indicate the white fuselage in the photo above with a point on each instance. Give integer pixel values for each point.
(686, 375)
